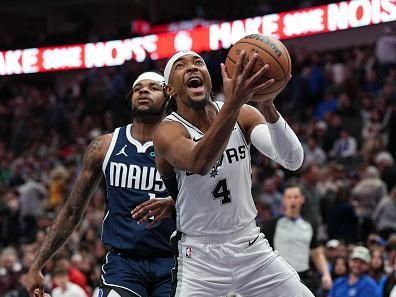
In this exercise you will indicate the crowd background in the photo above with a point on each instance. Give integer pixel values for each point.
(341, 104)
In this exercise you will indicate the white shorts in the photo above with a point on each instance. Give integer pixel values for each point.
(241, 263)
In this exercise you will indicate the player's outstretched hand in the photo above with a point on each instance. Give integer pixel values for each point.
(242, 86)
(155, 209)
(35, 283)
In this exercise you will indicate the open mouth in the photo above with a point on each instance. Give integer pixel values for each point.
(195, 83)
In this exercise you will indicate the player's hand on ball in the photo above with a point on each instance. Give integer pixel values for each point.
(159, 208)
(242, 86)
(265, 100)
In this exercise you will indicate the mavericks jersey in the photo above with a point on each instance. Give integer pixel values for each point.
(131, 179)
(221, 201)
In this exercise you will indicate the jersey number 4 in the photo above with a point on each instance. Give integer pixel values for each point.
(221, 192)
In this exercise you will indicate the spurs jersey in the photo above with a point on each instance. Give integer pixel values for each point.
(131, 179)
(221, 201)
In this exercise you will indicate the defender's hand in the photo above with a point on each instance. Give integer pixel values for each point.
(37, 294)
(159, 208)
(35, 283)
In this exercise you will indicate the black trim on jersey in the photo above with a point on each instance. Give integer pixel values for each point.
(174, 240)
(218, 107)
(243, 135)
(183, 120)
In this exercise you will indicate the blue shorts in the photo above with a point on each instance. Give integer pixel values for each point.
(142, 277)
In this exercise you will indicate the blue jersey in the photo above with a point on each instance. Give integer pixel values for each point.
(131, 179)
(364, 287)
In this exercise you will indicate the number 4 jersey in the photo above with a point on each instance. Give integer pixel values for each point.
(221, 201)
(131, 179)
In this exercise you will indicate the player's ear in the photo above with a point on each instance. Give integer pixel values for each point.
(170, 91)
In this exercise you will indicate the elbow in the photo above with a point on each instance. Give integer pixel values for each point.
(294, 159)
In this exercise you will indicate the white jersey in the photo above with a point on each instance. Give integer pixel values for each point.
(221, 201)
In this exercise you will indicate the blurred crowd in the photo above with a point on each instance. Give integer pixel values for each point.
(341, 104)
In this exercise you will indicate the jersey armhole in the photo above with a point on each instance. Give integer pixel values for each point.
(110, 149)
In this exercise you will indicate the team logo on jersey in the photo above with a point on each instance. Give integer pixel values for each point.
(122, 151)
(215, 169)
(100, 293)
(188, 251)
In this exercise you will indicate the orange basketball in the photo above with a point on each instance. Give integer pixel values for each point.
(272, 52)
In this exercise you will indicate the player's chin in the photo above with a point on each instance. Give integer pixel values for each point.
(197, 96)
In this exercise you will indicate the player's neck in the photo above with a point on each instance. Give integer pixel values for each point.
(143, 131)
(200, 118)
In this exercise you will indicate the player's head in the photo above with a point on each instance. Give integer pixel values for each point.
(188, 80)
(147, 97)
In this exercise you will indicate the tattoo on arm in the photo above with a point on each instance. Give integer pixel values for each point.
(72, 212)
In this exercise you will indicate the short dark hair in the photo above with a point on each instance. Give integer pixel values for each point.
(292, 184)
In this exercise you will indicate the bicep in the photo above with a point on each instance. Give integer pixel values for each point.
(91, 173)
(171, 143)
(248, 119)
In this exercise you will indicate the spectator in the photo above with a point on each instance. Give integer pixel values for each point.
(386, 166)
(377, 267)
(340, 268)
(57, 188)
(10, 227)
(271, 196)
(9, 270)
(31, 199)
(311, 209)
(345, 146)
(369, 191)
(385, 50)
(342, 221)
(387, 288)
(356, 283)
(313, 154)
(65, 288)
(75, 276)
(384, 215)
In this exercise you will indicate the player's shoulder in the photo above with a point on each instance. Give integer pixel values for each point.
(98, 147)
(170, 127)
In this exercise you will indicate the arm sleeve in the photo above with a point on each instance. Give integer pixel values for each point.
(171, 185)
(278, 142)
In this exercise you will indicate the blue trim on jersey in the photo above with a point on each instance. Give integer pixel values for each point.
(131, 179)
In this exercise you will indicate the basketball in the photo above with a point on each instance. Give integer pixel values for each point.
(272, 52)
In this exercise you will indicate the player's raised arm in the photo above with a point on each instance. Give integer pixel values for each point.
(272, 136)
(173, 142)
(72, 212)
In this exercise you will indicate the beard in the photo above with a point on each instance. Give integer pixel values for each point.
(148, 115)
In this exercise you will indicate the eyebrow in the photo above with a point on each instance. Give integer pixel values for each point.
(184, 58)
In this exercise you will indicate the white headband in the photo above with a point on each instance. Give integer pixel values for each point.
(173, 59)
(151, 76)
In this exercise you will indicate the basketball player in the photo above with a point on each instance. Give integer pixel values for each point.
(202, 153)
(140, 260)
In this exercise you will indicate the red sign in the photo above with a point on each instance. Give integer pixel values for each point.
(297, 23)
